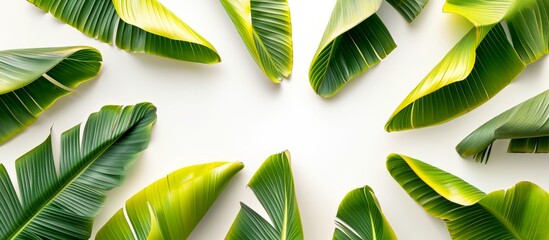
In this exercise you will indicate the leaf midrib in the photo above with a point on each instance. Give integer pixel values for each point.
(72, 179)
(285, 220)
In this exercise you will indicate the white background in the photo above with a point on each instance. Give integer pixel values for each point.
(231, 111)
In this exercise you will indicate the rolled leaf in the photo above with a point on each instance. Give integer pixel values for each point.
(273, 186)
(63, 204)
(138, 26)
(31, 80)
(518, 213)
(475, 70)
(354, 41)
(359, 217)
(266, 29)
(528, 22)
(171, 207)
(480, 65)
(529, 28)
(525, 124)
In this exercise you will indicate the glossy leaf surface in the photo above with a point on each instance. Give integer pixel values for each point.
(476, 69)
(266, 29)
(354, 41)
(481, 64)
(525, 124)
(517, 213)
(273, 186)
(359, 217)
(31, 80)
(139, 26)
(62, 204)
(171, 207)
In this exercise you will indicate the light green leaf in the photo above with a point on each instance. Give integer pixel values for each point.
(354, 41)
(273, 185)
(63, 204)
(518, 213)
(31, 80)
(139, 26)
(171, 207)
(481, 64)
(266, 28)
(359, 217)
(417, 173)
(526, 124)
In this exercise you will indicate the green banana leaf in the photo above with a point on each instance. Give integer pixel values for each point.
(528, 21)
(171, 207)
(138, 26)
(354, 41)
(62, 204)
(480, 65)
(266, 29)
(273, 185)
(359, 217)
(520, 212)
(409, 9)
(525, 124)
(31, 80)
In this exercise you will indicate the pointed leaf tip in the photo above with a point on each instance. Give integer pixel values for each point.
(171, 207)
(359, 216)
(274, 188)
(156, 31)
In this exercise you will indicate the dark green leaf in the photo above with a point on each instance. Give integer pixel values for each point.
(31, 80)
(63, 205)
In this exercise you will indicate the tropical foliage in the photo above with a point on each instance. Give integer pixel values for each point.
(273, 185)
(481, 64)
(517, 213)
(359, 217)
(265, 26)
(139, 26)
(171, 207)
(354, 41)
(525, 124)
(63, 205)
(31, 80)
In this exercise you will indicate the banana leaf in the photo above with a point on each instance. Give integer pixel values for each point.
(480, 65)
(409, 9)
(31, 80)
(359, 217)
(266, 29)
(171, 207)
(354, 41)
(273, 185)
(62, 204)
(520, 212)
(138, 26)
(525, 124)
(528, 22)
